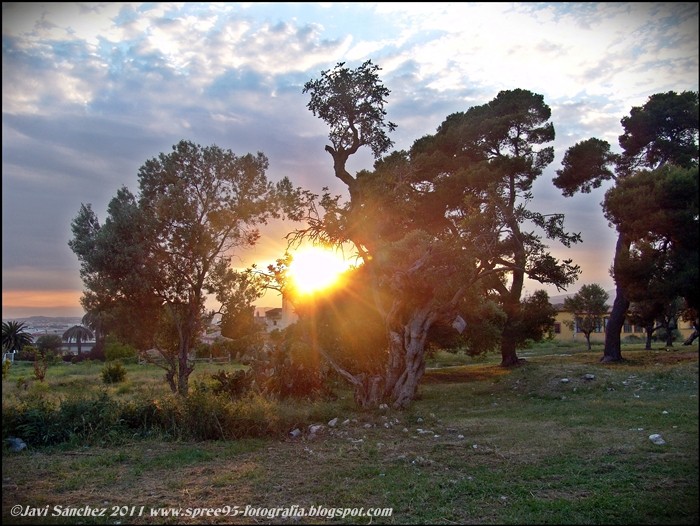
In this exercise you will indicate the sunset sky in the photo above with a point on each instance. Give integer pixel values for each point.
(92, 91)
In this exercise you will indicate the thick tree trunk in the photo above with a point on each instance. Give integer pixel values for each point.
(613, 346)
(691, 338)
(403, 376)
(509, 337)
(407, 345)
(509, 356)
(511, 304)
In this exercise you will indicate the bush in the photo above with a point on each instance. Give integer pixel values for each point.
(119, 351)
(40, 422)
(292, 371)
(234, 384)
(41, 363)
(113, 373)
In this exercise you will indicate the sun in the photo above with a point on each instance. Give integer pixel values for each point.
(314, 269)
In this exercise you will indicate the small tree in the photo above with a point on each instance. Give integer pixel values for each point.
(41, 363)
(49, 343)
(589, 308)
(160, 253)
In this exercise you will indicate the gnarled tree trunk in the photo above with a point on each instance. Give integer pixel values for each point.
(407, 343)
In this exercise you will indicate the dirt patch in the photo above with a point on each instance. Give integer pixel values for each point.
(663, 357)
(464, 373)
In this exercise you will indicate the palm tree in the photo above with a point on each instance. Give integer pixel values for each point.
(79, 333)
(15, 336)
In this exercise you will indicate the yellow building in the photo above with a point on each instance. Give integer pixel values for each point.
(564, 332)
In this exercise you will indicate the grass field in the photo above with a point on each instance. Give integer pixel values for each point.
(539, 444)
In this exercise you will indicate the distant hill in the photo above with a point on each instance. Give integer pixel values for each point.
(43, 320)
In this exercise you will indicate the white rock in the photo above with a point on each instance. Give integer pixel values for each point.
(295, 433)
(564, 380)
(333, 423)
(315, 428)
(657, 439)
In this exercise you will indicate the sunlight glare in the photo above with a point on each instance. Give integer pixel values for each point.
(314, 269)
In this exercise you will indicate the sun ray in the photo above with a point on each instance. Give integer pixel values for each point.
(314, 269)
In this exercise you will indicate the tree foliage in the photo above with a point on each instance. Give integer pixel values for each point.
(78, 334)
(657, 135)
(49, 344)
(149, 268)
(431, 223)
(15, 335)
(659, 211)
(476, 175)
(589, 307)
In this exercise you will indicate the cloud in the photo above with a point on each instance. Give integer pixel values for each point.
(91, 91)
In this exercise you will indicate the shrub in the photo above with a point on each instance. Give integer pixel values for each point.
(6, 364)
(113, 373)
(41, 422)
(49, 343)
(292, 371)
(233, 384)
(119, 351)
(40, 363)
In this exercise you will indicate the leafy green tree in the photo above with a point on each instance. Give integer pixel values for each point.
(589, 307)
(49, 344)
(664, 131)
(658, 211)
(160, 253)
(537, 317)
(78, 334)
(479, 168)
(408, 219)
(15, 336)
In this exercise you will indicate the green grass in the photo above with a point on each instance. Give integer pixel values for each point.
(481, 445)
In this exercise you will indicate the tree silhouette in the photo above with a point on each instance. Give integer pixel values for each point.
(15, 336)
(79, 334)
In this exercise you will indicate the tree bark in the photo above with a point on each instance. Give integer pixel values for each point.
(511, 300)
(650, 332)
(509, 356)
(613, 347)
(407, 345)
